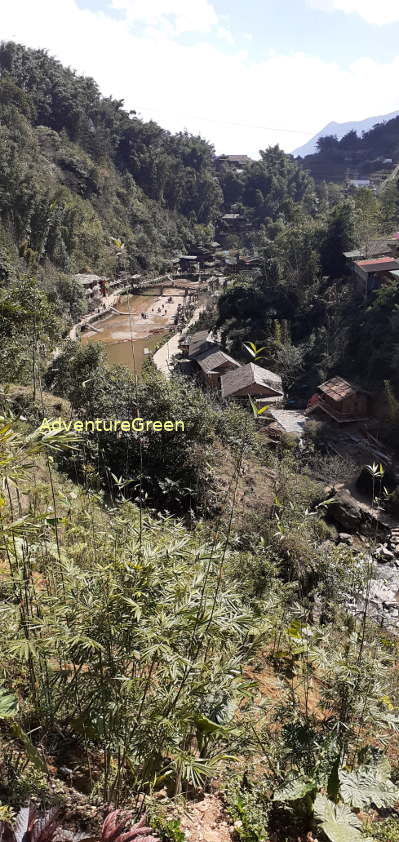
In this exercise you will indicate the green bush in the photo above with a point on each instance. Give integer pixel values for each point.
(386, 830)
(249, 808)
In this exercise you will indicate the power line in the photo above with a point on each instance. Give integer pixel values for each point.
(228, 123)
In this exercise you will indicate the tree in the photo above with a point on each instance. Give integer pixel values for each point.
(367, 219)
(338, 238)
(29, 328)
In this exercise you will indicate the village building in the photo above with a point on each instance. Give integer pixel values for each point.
(231, 217)
(371, 273)
(231, 223)
(123, 284)
(198, 342)
(203, 253)
(236, 162)
(381, 247)
(252, 379)
(358, 183)
(188, 263)
(213, 364)
(94, 288)
(288, 422)
(340, 400)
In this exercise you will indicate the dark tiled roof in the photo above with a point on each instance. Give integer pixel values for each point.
(250, 375)
(212, 360)
(200, 342)
(235, 159)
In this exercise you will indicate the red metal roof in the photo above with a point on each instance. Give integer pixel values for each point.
(379, 260)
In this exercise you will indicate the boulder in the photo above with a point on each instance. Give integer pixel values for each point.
(345, 512)
(344, 538)
(384, 555)
(353, 516)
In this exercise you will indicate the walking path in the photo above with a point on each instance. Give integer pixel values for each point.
(162, 359)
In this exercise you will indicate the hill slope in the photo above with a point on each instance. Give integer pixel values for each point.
(339, 130)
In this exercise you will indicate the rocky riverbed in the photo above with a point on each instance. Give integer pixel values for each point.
(372, 532)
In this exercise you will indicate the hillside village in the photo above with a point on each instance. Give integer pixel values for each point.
(199, 636)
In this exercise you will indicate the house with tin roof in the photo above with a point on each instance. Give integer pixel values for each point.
(371, 273)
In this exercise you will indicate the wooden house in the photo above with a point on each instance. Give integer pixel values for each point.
(94, 288)
(188, 263)
(199, 342)
(252, 380)
(213, 364)
(236, 162)
(340, 400)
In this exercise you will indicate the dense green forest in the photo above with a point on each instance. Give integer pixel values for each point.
(187, 634)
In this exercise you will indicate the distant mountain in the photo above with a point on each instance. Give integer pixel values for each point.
(340, 130)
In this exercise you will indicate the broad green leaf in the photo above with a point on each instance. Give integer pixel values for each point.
(206, 726)
(30, 749)
(294, 790)
(338, 822)
(368, 785)
(8, 704)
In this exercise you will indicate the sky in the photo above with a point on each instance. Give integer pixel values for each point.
(244, 74)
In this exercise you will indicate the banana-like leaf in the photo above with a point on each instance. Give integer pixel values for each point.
(22, 824)
(44, 826)
(206, 726)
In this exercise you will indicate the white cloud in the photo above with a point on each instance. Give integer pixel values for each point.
(225, 35)
(179, 15)
(378, 12)
(205, 87)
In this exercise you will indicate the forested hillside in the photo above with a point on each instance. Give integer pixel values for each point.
(76, 169)
(360, 156)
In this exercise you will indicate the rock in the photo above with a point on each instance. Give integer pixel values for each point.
(354, 516)
(344, 538)
(390, 606)
(202, 806)
(211, 836)
(384, 555)
(346, 513)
